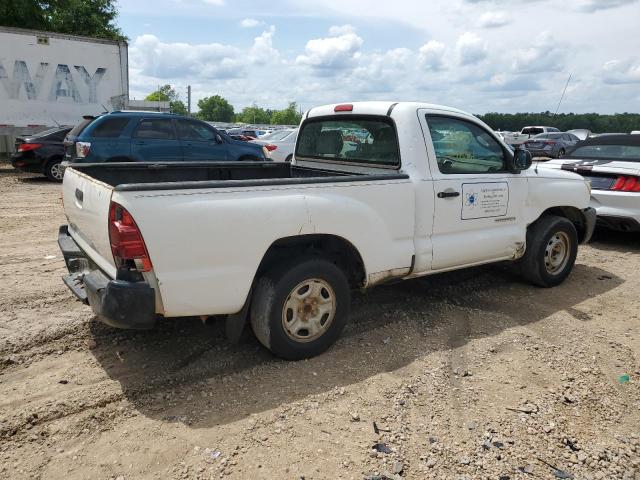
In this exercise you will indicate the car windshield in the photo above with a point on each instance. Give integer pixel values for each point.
(532, 131)
(353, 139)
(628, 153)
(278, 135)
(48, 132)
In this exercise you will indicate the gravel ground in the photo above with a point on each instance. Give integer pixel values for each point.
(470, 375)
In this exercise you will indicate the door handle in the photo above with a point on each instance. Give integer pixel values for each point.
(448, 194)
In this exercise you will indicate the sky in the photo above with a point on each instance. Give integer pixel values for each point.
(477, 55)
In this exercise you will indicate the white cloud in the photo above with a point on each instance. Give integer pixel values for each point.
(217, 3)
(151, 57)
(432, 55)
(493, 19)
(546, 54)
(470, 49)
(338, 51)
(617, 72)
(262, 50)
(250, 23)
(337, 30)
(595, 5)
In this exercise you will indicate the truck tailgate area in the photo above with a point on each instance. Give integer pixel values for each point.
(86, 202)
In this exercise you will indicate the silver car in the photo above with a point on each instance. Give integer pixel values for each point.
(554, 145)
(280, 144)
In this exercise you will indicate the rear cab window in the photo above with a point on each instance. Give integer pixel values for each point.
(350, 139)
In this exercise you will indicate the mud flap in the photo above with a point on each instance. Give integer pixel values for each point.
(235, 324)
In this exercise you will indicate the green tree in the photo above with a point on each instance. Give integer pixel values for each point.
(91, 18)
(215, 109)
(288, 116)
(597, 123)
(254, 114)
(167, 93)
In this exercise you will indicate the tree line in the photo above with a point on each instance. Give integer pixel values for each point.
(91, 18)
(597, 123)
(218, 109)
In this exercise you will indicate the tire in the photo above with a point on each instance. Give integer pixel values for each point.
(552, 246)
(310, 285)
(561, 153)
(288, 159)
(53, 170)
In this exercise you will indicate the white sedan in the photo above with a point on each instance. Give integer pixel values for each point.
(612, 164)
(280, 144)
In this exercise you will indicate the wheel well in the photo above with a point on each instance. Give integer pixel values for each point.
(336, 249)
(53, 158)
(574, 215)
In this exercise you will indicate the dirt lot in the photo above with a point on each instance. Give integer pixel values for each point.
(467, 375)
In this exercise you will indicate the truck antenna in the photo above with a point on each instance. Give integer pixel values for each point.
(55, 121)
(105, 108)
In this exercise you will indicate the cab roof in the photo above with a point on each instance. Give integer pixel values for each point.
(384, 108)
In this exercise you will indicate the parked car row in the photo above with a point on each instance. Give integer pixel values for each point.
(129, 136)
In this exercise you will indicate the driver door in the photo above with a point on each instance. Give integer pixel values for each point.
(479, 205)
(200, 142)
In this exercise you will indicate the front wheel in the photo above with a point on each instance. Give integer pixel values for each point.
(552, 246)
(561, 153)
(53, 170)
(299, 309)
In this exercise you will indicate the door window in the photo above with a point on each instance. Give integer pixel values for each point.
(157, 128)
(463, 147)
(196, 131)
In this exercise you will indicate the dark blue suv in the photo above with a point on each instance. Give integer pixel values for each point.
(153, 137)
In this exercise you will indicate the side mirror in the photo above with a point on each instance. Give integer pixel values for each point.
(218, 138)
(521, 160)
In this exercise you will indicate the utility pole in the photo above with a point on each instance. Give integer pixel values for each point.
(563, 93)
(189, 99)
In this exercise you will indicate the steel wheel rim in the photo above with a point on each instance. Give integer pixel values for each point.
(309, 310)
(556, 254)
(56, 171)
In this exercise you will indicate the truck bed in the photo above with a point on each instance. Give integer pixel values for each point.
(186, 175)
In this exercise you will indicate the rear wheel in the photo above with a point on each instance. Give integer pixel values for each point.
(53, 170)
(299, 309)
(561, 153)
(552, 246)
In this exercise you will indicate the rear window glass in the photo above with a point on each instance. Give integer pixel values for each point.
(532, 131)
(629, 153)
(77, 130)
(155, 128)
(110, 127)
(353, 139)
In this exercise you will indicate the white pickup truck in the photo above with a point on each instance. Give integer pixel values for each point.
(377, 191)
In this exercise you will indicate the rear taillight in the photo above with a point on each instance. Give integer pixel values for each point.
(270, 147)
(83, 149)
(127, 245)
(549, 142)
(27, 147)
(626, 183)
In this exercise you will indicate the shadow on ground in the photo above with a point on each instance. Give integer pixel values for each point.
(185, 371)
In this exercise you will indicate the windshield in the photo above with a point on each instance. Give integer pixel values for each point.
(278, 135)
(628, 153)
(352, 139)
(532, 131)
